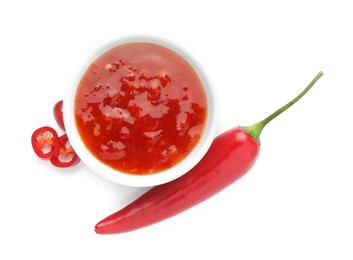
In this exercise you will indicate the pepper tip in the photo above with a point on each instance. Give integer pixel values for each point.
(99, 228)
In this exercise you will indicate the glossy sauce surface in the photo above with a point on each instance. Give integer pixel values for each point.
(140, 108)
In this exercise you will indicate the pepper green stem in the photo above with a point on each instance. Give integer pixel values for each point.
(255, 130)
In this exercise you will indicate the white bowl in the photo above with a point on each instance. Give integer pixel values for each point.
(140, 180)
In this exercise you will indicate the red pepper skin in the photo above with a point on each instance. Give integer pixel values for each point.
(58, 114)
(230, 156)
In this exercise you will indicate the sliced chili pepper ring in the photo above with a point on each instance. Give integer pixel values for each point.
(45, 142)
(58, 114)
(66, 156)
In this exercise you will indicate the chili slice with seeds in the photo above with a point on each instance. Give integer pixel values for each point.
(45, 142)
(66, 156)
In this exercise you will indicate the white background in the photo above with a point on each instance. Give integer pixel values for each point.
(296, 202)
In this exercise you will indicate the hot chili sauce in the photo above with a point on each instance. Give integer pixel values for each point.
(140, 108)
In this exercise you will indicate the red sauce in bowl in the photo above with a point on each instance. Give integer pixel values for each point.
(140, 108)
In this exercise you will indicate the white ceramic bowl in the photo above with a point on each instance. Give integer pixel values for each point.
(140, 180)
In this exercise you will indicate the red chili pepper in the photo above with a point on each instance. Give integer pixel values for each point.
(45, 142)
(66, 156)
(58, 114)
(230, 156)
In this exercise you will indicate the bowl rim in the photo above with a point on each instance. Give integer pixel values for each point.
(151, 179)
